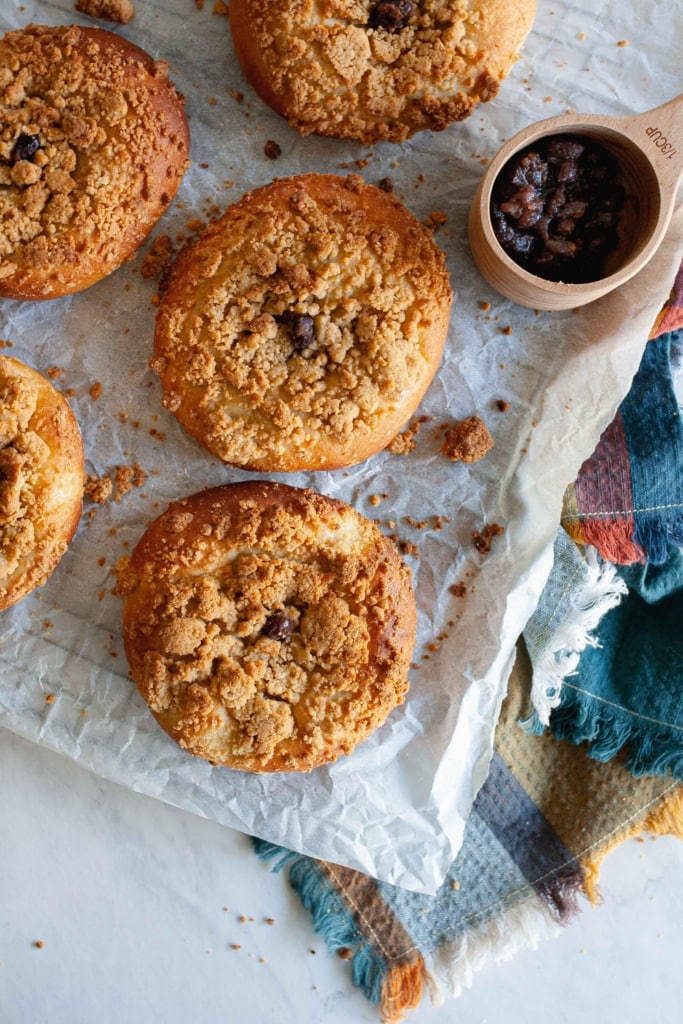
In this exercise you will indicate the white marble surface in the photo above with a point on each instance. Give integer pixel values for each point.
(128, 896)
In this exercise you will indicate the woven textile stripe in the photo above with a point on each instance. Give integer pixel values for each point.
(654, 436)
(605, 483)
(610, 505)
(627, 501)
(503, 803)
(671, 316)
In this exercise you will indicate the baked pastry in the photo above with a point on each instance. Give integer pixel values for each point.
(371, 70)
(302, 329)
(41, 479)
(269, 628)
(93, 146)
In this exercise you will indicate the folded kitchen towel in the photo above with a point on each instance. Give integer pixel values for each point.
(534, 841)
(605, 640)
(547, 814)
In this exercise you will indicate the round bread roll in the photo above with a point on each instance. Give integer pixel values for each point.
(371, 70)
(93, 145)
(41, 479)
(269, 628)
(302, 329)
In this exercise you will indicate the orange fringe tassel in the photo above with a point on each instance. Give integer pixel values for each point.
(402, 990)
(665, 819)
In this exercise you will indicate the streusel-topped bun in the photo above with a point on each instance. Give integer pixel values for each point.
(304, 326)
(369, 69)
(269, 628)
(41, 479)
(93, 145)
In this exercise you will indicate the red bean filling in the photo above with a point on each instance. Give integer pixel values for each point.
(301, 329)
(555, 209)
(277, 627)
(391, 16)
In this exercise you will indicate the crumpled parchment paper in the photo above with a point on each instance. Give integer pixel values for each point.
(396, 807)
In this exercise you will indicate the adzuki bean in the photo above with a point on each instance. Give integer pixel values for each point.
(556, 207)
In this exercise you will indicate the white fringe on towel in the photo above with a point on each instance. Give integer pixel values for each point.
(524, 926)
(599, 590)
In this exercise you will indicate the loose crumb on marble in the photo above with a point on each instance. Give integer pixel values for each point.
(39, 944)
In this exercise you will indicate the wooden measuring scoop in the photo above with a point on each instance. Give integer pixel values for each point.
(649, 151)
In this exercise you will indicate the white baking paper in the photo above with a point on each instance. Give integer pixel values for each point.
(395, 808)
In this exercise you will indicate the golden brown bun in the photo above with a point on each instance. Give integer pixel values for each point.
(112, 146)
(374, 288)
(337, 69)
(41, 479)
(269, 628)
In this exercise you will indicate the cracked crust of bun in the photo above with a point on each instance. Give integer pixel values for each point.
(107, 148)
(374, 287)
(41, 479)
(269, 628)
(323, 66)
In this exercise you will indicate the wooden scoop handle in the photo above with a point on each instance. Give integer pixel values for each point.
(659, 133)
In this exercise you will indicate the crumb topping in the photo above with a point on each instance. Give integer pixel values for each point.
(22, 457)
(306, 317)
(93, 144)
(335, 67)
(207, 595)
(34, 526)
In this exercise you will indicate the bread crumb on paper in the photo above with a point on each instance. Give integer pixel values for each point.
(467, 441)
(482, 539)
(272, 149)
(158, 260)
(98, 489)
(435, 220)
(405, 441)
(120, 11)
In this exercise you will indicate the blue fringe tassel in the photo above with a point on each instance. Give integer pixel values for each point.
(609, 730)
(329, 915)
(656, 536)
